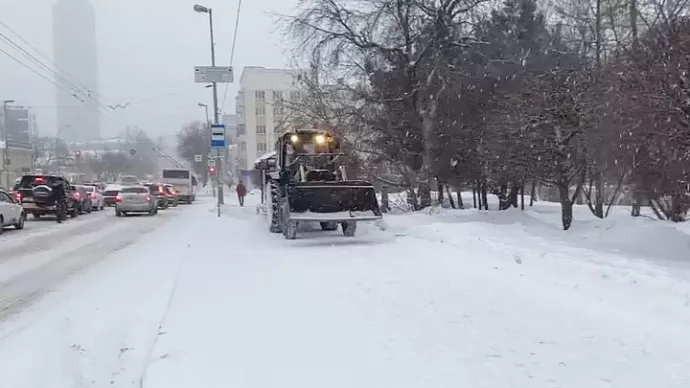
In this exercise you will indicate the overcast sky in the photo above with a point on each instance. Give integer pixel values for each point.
(147, 50)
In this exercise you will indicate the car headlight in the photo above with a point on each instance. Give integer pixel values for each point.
(320, 139)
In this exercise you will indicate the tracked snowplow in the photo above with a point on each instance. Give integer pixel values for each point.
(305, 181)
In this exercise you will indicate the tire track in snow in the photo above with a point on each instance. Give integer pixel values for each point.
(20, 292)
(44, 237)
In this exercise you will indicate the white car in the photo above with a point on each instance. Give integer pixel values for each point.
(97, 199)
(11, 213)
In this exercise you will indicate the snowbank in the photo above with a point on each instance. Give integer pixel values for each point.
(437, 299)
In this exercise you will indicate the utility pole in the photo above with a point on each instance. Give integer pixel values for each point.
(219, 164)
(6, 153)
(216, 119)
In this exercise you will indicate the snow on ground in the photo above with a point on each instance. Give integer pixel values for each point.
(458, 298)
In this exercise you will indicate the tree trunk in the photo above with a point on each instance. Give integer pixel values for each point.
(533, 193)
(566, 206)
(424, 191)
(485, 201)
(678, 208)
(513, 196)
(522, 197)
(385, 203)
(599, 197)
(637, 203)
(412, 199)
(440, 188)
(474, 197)
(633, 25)
(503, 200)
(461, 205)
(659, 214)
(450, 197)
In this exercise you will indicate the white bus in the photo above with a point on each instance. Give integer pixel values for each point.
(183, 181)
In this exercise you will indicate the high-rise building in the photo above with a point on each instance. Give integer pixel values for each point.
(260, 108)
(20, 125)
(75, 54)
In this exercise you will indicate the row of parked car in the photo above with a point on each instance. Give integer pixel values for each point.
(32, 195)
(144, 197)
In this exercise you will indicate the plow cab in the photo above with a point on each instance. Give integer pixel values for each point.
(305, 181)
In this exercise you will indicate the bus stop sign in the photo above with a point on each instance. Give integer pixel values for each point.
(218, 136)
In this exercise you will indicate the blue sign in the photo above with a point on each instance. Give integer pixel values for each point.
(218, 136)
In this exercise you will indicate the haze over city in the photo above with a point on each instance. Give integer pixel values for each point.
(146, 54)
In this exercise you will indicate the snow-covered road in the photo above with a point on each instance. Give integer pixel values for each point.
(35, 260)
(191, 300)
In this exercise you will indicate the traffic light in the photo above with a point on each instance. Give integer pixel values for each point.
(211, 170)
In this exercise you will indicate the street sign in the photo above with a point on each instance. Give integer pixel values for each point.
(198, 158)
(209, 74)
(211, 163)
(218, 136)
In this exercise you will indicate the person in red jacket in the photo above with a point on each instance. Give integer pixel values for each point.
(241, 192)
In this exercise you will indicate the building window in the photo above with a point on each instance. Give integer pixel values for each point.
(277, 110)
(261, 147)
(261, 111)
(243, 146)
(260, 129)
(277, 95)
(294, 95)
(241, 129)
(260, 94)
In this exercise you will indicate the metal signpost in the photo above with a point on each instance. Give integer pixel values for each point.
(210, 74)
(198, 158)
(214, 74)
(218, 143)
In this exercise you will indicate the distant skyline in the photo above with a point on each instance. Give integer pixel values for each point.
(75, 53)
(146, 55)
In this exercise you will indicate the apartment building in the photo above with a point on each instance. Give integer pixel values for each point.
(260, 109)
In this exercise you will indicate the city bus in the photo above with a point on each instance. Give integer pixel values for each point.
(183, 181)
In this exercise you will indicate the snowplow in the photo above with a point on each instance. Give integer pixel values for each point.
(305, 181)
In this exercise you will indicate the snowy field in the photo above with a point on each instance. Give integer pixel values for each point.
(441, 298)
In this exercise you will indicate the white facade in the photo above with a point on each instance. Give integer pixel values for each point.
(260, 109)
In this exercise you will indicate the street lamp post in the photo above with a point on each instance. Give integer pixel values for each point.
(208, 121)
(219, 168)
(5, 157)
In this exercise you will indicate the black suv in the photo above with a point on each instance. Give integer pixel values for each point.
(33, 192)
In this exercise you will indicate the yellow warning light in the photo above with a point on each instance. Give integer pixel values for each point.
(320, 139)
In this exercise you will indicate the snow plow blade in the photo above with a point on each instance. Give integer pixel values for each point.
(333, 201)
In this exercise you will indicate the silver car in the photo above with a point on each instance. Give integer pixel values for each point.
(135, 199)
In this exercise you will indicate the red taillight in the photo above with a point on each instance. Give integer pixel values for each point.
(93, 196)
(161, 190)
(39, 179)
(148, 198)
(118, 199)
(77, 195)
(18, 197)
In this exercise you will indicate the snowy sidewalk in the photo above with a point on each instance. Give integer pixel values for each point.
(254, 310)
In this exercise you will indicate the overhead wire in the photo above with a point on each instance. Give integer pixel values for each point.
(41, 64)
(70, 92)
(232, 50)
(65, 75)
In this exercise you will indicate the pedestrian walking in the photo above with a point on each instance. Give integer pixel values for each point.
(241, 192)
